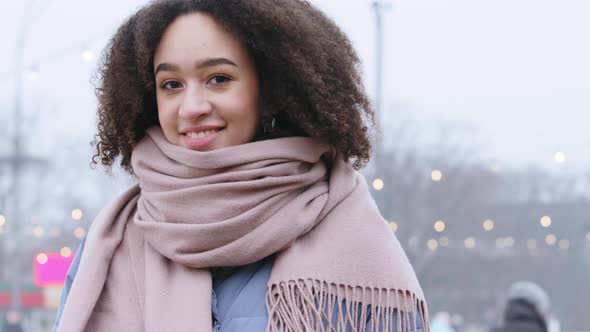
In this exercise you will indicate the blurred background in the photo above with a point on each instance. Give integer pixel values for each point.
(482, 168)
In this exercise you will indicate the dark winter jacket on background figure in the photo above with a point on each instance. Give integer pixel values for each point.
(521, 316)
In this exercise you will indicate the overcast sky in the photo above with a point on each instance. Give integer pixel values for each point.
(514, 71)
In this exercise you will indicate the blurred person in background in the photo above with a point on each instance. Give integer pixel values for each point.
(527, 309)
(441, 322)
(244, 123)
(13, 322)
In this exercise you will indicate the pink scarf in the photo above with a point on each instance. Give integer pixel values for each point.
(145, 266)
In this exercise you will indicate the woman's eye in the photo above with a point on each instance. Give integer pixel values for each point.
(219, 79)
(171, 85)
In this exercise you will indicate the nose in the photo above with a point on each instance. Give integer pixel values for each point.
(195, 104)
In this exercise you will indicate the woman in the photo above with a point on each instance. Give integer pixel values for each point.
(244, 123)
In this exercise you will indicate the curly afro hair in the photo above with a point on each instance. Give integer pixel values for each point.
(309, 75)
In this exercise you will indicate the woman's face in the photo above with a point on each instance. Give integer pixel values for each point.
(206, 85)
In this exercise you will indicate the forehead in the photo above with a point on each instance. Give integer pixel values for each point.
(197, 36)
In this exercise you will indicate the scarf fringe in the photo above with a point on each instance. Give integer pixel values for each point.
(307, 305)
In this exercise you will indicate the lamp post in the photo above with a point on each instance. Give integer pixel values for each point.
(378, 7)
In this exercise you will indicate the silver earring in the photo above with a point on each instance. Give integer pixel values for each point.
(270, 128)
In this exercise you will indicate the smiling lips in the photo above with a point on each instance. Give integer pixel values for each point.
(201, 134)
(200, 138)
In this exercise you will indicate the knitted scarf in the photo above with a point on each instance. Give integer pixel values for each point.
(145, 266)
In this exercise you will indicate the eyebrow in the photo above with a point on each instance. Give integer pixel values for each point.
(211, 62)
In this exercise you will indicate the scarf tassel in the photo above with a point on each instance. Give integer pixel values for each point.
(314, 305)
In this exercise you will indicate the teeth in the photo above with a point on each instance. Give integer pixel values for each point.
(200, 134)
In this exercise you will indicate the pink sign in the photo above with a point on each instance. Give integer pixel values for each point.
(51, 269)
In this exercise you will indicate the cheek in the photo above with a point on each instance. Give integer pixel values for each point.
(165, 116)
(251, 106)
(241, 117)
(242, 109)
(242, 106)
(250, 123)
(242, 122)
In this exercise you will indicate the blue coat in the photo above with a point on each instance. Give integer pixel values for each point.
(238, 296)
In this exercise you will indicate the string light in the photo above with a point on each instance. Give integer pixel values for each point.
(65, 252)
(432, 244)
(42, 259)
(470, 243)
(79, 232)
(508, 241)
(38, 231)
(495, 168)
(2, 220)
(488, 225)
(55, 232)
(33, 74)
(413, 242)
(443, 241)
(550, 239)
(439, 226)
(393, 226)
(436, 175)
(76, 214)
(564, 244)
(559, 157)
(378, 184)
(87, 54)
(545, 221)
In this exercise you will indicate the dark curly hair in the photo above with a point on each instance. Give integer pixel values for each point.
(309, 75)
